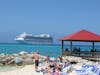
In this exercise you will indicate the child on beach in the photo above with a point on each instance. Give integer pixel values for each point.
(17, 60)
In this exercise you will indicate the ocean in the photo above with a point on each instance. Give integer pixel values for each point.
(51, 50)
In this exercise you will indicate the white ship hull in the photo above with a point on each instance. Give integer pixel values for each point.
(34, 39)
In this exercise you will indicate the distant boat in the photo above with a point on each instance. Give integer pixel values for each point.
(25, 38)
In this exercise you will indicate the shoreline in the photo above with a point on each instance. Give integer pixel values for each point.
(28, 66)
(28, 69)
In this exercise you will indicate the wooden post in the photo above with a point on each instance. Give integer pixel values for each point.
(71, 47)
(93, 49)
(93, 45)
(62, 46)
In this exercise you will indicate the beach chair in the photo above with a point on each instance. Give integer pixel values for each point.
(84, 69)
(82, 72)
(63, 73)
(86, 66)
(95, 71)
(66, 69)
(88, 69)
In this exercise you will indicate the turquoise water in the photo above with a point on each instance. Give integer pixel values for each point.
(52, 50)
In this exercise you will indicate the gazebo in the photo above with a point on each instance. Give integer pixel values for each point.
(82, 36)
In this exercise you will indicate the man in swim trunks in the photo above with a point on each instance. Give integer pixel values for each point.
(36, 58)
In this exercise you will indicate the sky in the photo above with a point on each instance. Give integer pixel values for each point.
(55, 17)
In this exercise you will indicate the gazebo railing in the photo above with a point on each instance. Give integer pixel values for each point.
(82, 54)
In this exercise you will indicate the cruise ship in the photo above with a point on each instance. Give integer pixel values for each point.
(25, 38)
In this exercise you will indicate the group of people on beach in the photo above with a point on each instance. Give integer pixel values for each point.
(53, 67)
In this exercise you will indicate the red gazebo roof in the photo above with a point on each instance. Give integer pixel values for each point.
(82, 35)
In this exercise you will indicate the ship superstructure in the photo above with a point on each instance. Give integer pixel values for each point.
(34, 39)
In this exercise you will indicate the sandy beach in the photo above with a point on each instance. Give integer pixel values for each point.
(30, 70)
(27, 70)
